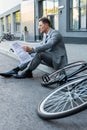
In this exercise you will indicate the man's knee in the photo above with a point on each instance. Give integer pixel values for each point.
(41, 55)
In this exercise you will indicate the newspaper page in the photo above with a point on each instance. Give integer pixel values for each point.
(23, 56)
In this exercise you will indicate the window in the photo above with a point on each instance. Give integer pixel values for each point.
(78, 15)
(2, 24)
(17, 21)
(8, 23)
(50, 9)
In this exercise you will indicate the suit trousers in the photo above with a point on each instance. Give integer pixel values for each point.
(44, 58)
(41, 57)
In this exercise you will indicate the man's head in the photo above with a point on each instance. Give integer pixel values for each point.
(44, 25)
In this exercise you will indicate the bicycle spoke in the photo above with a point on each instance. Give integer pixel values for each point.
(68, 99)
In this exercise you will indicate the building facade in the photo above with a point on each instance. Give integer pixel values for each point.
(73, 21)
(10, 21)
(67, 16)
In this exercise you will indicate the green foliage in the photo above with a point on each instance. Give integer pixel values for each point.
(25, 28)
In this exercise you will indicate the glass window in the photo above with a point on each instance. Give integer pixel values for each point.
(50, 9)
(17, 16)
(78, 15)
(17, 21)
(2, 24)
(75, 18)
(8, 23)
(75, 3)
(83, 17)
(83, 2)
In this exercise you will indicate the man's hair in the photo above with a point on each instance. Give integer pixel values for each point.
(45, 20)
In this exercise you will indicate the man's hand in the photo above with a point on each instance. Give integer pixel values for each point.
(27, 48)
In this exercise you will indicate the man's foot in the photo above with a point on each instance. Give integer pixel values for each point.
(23, 75)
(9, 73)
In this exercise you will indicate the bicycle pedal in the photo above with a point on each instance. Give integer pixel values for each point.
(45, 78)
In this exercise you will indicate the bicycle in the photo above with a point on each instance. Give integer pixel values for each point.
(65, 74)
(7, 36)
(70, 98)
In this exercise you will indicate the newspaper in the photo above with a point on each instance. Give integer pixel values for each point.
(23, 56)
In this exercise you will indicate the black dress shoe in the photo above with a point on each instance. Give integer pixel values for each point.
(23, 75)
(9, 73)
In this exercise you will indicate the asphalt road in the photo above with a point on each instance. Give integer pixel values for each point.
(19, 99)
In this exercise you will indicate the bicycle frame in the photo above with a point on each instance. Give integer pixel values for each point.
(60, 75)
(71, 76)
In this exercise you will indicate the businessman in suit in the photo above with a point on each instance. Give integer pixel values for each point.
(51, 51)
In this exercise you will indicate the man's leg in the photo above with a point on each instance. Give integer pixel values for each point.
(15, 70)
(11, 72)
(42, 56)
(39, 57)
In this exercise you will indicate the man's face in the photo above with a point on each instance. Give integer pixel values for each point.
(42, 27)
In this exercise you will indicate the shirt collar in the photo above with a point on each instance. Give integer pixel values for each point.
(49, 32)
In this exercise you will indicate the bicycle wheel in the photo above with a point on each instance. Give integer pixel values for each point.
(61, 74)
(67, 100)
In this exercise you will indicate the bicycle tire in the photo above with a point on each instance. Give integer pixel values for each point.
(59, 75)
(67, 100)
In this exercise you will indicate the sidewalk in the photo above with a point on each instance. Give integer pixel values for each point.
(75, 52)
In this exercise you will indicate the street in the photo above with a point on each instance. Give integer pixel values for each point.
(19, 99)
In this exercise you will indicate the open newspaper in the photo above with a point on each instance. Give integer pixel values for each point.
(23, 56)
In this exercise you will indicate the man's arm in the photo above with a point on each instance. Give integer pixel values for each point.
(27, 48)
(53, 39)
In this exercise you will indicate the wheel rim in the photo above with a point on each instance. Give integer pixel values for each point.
(65, 99)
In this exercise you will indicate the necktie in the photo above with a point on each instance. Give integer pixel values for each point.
(46, 38)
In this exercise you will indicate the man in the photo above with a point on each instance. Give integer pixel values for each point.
(51, 51)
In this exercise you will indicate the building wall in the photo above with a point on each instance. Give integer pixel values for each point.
(5, 5)
(37, 14)
(27, 19)
(29, 14)
(69, 36)
(10, 12)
